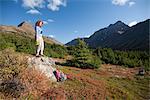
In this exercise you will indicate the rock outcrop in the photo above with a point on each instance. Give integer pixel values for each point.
(27, 27)
(43, 64)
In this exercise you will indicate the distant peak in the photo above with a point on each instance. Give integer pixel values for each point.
(27, 26)
(26, 23)
(119, 23)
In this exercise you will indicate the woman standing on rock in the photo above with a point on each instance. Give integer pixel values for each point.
(39, 38)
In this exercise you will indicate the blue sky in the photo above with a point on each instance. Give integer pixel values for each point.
(68, 19)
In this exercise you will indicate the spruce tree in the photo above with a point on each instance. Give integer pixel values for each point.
(83, 57)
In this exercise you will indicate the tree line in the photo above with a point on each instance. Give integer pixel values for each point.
(83, 56)
(108, 56)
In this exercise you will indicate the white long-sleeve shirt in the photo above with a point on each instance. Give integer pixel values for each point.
(38, 31)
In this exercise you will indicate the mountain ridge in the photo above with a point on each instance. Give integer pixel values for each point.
(119, 36)
(26, 29)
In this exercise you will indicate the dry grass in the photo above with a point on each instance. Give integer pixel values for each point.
(35, 83)
(54, 93)
(111, 82)
(11, 64)
(19, 81)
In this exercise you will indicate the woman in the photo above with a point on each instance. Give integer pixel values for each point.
(39, 38)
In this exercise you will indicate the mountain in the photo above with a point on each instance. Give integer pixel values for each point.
(120, 36)
(25, 29)
(26, 26)
(104, 36)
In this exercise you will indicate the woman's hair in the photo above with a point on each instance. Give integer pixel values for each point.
(38, 23)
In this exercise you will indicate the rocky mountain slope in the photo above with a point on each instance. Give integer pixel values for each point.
(120, 36)
(25, 29)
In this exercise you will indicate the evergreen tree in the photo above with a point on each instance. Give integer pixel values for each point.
(83, 57)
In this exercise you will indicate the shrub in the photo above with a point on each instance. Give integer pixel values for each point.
(27, 45)
(54, 50)
(11, 64)
(11, 88)
(126, 58)
(106, 54)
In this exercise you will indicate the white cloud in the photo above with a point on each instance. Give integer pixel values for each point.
(33, 3)
(55, 4)
(45, 22)
(131, 3)
(120, 2)
(50, 20)
(133, 23)
(52, 36)
(33, 11)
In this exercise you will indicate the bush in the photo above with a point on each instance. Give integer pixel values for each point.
(54, 50)
(126, 58)
(71, 50)
(27, 45)
(11, 88)
(11, 64)
(106, 54)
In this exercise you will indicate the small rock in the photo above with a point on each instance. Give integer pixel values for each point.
(141, 71)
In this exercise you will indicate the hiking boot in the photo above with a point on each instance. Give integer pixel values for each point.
(37, 55)
(42, 55)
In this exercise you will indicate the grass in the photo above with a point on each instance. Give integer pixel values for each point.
(108, 87)
(127, 89)
(25, 44)
(18, 81)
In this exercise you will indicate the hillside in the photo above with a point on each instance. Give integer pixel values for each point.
(22, 39)
(98, 74)
(25, 29)
(20, 80)
(107, 56)
(120, 36)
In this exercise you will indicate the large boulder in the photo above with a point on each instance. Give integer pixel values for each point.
(43, 64)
